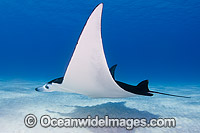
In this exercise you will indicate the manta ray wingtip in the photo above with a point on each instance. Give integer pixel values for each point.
(101, 4)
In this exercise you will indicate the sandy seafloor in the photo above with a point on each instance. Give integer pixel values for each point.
(18, 98)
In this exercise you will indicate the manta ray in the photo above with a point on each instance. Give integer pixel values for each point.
(88, 72)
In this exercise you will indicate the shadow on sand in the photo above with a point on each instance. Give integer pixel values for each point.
(113, 110)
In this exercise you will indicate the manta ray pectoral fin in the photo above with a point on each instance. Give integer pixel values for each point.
(88, 72)
(112, 71)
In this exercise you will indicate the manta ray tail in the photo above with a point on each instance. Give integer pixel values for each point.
(168, 94)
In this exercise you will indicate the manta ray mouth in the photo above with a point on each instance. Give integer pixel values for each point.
(37, 89)
(42, 89)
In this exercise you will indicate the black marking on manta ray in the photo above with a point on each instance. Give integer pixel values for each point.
(140, 89)
(57, 80)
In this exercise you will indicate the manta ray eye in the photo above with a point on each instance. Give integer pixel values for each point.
(46, 86)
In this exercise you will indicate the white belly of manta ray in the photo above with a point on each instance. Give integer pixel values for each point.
(88, 72)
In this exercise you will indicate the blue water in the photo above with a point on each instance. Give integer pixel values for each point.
(155, 40)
